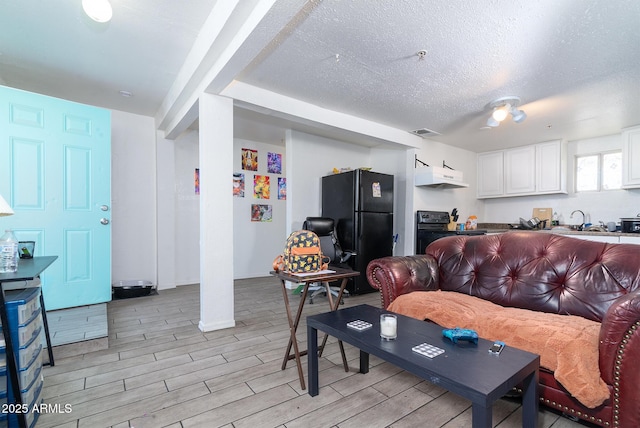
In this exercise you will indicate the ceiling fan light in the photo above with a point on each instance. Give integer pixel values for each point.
(492, 123)
(98, 10)
(501, 113)
(518, 115)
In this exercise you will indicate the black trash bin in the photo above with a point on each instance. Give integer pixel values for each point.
(128, 289)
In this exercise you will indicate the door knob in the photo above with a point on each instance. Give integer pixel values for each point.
(104, 221)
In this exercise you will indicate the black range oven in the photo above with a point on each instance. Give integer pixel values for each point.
(432, 225)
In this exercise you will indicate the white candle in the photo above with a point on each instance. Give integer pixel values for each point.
(388, 326)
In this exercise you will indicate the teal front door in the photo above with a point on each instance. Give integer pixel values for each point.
(55, 172)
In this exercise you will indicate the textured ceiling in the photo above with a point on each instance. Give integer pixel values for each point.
(574, 63)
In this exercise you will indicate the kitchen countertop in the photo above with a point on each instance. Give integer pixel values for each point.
(504, 227)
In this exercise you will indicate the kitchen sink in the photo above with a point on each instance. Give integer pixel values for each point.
(595, 229)
(576, 228)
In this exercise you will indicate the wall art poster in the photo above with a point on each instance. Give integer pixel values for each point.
(261, 212)
(238, 184)
(196, 179)
(261, 187)
(274, 163)
(282, 188)
(250, 159)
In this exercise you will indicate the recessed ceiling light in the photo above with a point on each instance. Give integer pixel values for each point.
(126, 93)
(98, 10)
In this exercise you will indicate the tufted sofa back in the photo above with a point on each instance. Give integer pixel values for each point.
(538, 271)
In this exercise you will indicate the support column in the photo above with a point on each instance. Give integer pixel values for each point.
(216, 212)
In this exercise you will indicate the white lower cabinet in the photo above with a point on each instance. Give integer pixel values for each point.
(598, 238)
(626, 239)
(630, 240)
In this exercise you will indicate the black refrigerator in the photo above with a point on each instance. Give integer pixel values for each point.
(361, 203)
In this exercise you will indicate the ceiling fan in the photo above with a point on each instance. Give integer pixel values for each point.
(503, 107)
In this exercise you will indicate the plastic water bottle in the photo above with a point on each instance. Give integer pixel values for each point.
(8, 253)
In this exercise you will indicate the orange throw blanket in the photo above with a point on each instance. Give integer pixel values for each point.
(567, 344)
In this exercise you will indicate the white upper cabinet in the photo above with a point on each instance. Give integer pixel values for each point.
(551, 167)
(528, 170)
(631, 158)
(520, 170)
(490, 174)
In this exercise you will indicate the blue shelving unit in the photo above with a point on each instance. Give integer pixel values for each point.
(24, 316)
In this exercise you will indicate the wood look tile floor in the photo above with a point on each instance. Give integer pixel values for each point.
(161, 371)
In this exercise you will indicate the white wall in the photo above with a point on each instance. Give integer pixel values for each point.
(178, 210)
(256, 244)
(139, 220)
(394, 162)
(137, 215)
(437, 199)
(598, 206)
(165, 211)
(306, 159)
(187, 209)
(309, 158)
(133, 197)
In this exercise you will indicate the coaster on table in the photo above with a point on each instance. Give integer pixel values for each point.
(427, 350)
(359, 325)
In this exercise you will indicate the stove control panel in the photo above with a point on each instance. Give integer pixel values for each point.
(433, 217)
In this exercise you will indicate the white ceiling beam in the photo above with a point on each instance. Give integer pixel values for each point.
(226, 44)
(180, 98)
(312, 115)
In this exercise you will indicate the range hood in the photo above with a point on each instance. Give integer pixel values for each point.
(437, 177)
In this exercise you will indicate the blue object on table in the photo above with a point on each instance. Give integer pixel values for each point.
(455, 334)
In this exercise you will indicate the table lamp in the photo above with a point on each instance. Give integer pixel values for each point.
(5, 209)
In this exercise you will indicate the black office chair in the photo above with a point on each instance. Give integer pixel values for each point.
(325, 228)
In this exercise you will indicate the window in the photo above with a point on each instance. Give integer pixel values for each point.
(597, 172)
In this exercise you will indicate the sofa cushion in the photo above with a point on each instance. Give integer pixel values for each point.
(567, 344)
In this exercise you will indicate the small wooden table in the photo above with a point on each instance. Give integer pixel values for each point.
(325, 279)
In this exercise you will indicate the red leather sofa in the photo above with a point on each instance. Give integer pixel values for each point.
(548, 273)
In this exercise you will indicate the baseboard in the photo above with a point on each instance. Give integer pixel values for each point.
(216, 325)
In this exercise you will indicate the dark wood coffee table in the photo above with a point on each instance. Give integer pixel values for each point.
(464, 368)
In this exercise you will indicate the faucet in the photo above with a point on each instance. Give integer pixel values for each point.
(581, 227)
